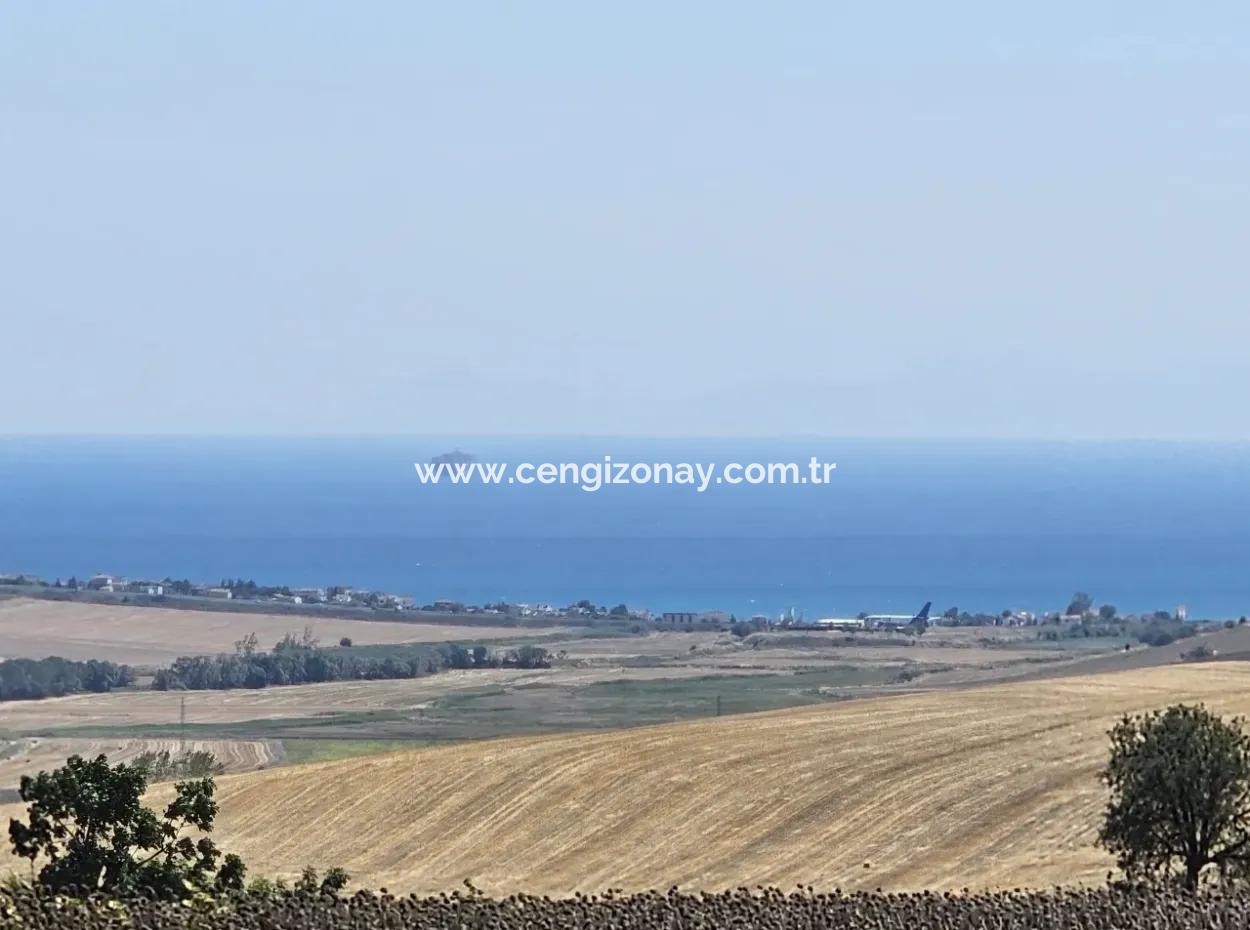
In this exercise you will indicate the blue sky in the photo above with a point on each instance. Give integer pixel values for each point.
(652, 219)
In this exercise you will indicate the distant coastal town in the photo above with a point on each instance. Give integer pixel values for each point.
(229, 592)
(1082, 617)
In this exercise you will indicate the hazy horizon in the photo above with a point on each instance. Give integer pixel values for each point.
(755, 440)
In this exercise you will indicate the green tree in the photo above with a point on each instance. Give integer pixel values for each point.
(86, 822)
(1080, 604)
(309, 883)
(1180, 795)
(165, 766)
(247, 645)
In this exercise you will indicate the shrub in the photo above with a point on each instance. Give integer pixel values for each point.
(163, 766)
(1198, 653)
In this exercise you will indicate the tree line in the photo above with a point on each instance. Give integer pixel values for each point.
(31, 679)
(300, 660)
(292, 661)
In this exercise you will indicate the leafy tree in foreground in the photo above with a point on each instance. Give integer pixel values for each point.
(87, 822)
(1180, 795)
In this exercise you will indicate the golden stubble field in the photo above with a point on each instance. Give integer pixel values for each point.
(32, 628)
(982, 787)
(27, 755)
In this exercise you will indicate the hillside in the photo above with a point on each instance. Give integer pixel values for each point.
(982, 787)
(1227, 643)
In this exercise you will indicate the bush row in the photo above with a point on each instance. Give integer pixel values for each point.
(30, 679)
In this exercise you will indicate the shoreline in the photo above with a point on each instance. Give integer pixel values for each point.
(415, 616)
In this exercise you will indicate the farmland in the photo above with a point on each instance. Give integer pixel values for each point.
(598, 682)
(987, 787)
(32, 628)
(601, 679)
(24, 755)
(879, 760)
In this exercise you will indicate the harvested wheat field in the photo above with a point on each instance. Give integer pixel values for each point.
(141, 708)
(33, 629)
(30, 755)
(985, 787)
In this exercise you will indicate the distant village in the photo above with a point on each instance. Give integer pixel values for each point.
(246, 590)
(1080, 611)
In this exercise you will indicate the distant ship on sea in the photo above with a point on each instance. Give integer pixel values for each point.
(455, 457)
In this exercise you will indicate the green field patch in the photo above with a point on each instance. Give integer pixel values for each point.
(527, 708)
(301, 750)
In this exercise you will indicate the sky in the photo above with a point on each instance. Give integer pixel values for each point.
(657, 219)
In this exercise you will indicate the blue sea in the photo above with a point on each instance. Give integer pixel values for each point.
(977, 525)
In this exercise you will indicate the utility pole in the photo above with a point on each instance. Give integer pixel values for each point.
(718, 705)
(182, 725)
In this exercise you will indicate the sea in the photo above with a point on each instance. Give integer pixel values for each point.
(977, 525)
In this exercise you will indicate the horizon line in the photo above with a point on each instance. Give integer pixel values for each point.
(646, 437)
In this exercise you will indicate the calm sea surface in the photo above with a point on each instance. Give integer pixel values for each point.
(981, 526)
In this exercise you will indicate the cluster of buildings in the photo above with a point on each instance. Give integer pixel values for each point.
(111, 584)
(336, 596)
(707, 619)
(346, 597)
(339, 596)
(583, 610)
